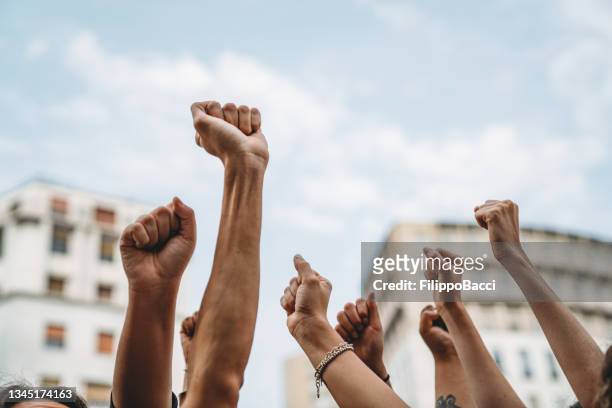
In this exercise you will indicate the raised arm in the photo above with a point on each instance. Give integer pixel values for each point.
(487, 385)
(155, 251)
(451, 387)
(577, 353)
(350, 381)
(226, 322)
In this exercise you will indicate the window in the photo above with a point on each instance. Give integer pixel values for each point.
(55, 285)
(552, 366)
(107, 247)
(54, 336)
(105, 292)
(59, 241)
(105, 342)
(105, 215)
(59, 206)
(1, 241)
(98, 394)
(526, 364)
(49, 381)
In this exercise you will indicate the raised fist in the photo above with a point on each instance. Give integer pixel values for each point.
(436, 259)
(359, 323)
(305, 299)
(437, 339)
(156, 249)
(501, 219)
(230, 132)
(187, 332)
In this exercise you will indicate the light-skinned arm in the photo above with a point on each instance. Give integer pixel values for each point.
(451, 387)
(488, 387)
(351, 383)
(155, 251)
(577, 353)
(220, 349)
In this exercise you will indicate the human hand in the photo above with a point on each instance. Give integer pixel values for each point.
(435, 337)
(188, 328)
(501, 219)
(156, 249)
(359, 323)
(305, 299)
(231, 133)
(436, 261)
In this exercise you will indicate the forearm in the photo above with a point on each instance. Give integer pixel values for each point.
(224, 333)
(487, 385)
(451, 381)
(578, 354)
(143, 367)
(349, 380)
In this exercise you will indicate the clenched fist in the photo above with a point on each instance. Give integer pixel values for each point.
(437, 339)
(156, 249)
(230, 133)
(187, 332)
(305, 299)
(501, 219)
(359, 323)
(436, 258)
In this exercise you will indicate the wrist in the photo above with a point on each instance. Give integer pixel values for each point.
(316, 337)
(514, 259)
(451, 310)
(310, 328)
(380, 370)
(508, 252)
(245, 162)
(159, 289)
(447, 357)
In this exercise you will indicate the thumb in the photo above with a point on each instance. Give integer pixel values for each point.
(428, 315)
(373, 315)
(303, 268)
(187, 219)
(201, 119)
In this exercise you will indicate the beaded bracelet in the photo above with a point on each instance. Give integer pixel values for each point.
(335, 352)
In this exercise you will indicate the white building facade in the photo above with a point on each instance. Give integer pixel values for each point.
(63, 291)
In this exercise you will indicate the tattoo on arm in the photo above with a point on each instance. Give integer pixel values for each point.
(447, 402)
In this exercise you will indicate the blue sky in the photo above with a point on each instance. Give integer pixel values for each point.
(376, 112)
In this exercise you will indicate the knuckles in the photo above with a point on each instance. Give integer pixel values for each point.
(213, 106)
(230, 107)
(162, 212)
